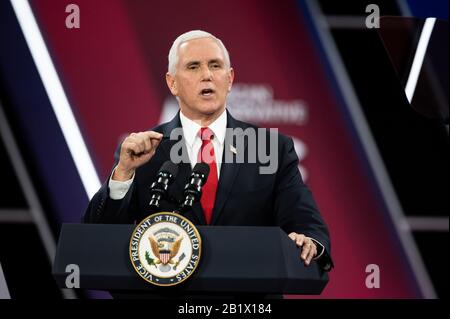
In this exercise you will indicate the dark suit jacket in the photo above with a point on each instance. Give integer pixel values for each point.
(244, 196)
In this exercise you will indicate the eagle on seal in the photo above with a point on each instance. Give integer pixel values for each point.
(164, 250)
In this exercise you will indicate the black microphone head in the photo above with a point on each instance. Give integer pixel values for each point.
(201, 168)
(193, 189)
(169, 167)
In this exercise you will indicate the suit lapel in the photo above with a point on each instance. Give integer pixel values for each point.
(228, 171)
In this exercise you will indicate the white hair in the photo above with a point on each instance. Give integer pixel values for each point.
(191, 35)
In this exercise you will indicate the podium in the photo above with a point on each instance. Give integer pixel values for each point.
(234, 260)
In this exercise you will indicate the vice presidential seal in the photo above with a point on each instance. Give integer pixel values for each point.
(165, 249)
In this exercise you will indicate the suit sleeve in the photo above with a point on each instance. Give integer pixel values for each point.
(102, 209)
(295, 208)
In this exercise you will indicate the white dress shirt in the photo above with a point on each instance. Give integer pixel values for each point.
(118, 189)
(194, 142)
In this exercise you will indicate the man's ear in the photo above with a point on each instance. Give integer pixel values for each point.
(230, 79)
(171, 84)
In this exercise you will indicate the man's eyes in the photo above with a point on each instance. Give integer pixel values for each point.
(192, 67)
(213, 66)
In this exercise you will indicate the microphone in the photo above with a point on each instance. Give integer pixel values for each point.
(165, 177)
(193, 189)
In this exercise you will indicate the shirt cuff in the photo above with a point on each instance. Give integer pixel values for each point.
(118, 189)
(319, 246)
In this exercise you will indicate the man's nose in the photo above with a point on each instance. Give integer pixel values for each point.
(206, 74)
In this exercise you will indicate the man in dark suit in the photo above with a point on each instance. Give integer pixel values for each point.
(200, 77)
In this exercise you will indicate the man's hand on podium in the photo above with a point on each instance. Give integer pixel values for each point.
(307, 245)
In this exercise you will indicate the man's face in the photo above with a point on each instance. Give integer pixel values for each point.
(202, 80)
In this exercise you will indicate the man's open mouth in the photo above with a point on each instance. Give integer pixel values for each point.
(206, 92)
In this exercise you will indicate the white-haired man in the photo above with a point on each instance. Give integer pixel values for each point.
(200, 76)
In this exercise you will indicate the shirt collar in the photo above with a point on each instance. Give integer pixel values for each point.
(191, 128)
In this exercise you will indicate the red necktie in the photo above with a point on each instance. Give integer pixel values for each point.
(206, 155)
